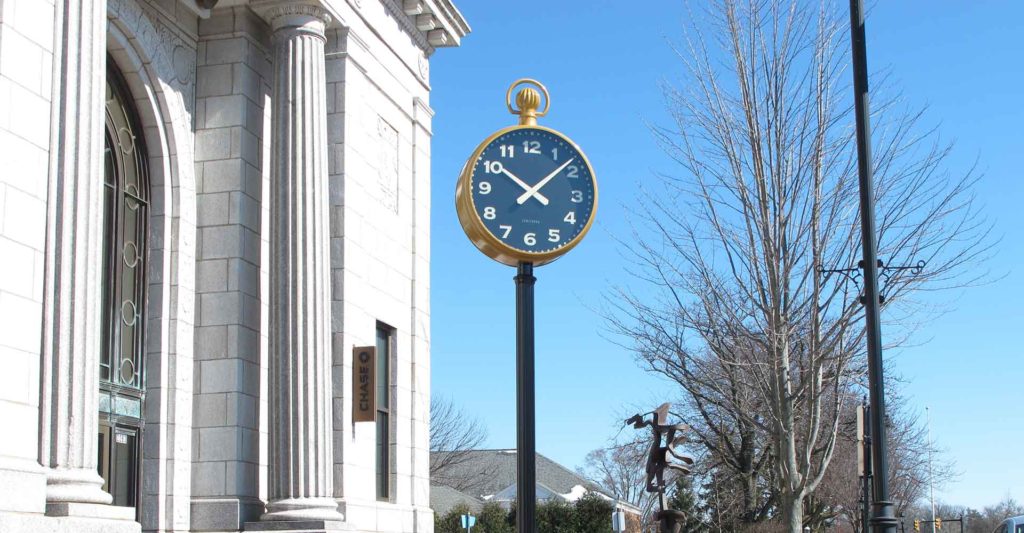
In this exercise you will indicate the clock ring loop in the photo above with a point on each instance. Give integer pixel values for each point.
(523, 81)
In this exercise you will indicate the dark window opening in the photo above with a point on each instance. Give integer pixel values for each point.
(385, 354)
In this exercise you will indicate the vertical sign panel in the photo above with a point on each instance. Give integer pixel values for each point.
(364, 400)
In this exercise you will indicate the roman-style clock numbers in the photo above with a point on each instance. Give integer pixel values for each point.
(528, 193)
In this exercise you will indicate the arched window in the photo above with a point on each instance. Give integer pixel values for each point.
(122, 377)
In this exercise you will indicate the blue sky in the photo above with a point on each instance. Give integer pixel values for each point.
(603, 61)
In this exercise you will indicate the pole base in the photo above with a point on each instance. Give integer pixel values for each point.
(883, 519)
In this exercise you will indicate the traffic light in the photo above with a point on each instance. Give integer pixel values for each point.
(938, 523)
(917, 525)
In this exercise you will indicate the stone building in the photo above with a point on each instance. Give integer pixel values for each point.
(204, 207)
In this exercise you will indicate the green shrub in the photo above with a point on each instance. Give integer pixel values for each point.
(494, 519)
(593, 514)
(556, 517)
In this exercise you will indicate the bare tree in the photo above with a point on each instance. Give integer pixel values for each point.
(453, 436)
(620, 470)
(839, 495)
(735, 309)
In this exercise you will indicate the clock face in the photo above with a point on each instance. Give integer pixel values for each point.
(533, 190)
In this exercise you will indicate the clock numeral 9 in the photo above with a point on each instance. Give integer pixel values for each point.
(493, 167)
(489, 213)
(577, 197)
(530, 239)
(553, 235)
(531, 147)
(485, 187)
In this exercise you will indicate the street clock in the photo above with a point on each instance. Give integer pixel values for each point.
(527, 194)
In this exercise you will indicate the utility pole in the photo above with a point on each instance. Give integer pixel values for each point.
(931, 472)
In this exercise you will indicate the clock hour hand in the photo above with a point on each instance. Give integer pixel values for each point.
(533, 191)
(540, 197)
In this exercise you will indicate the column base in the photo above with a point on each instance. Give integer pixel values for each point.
(75, 485)
(303, 509)
(300, 526)
(91, 518)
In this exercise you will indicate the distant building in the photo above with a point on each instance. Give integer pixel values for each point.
(482, 476)
(205, 205)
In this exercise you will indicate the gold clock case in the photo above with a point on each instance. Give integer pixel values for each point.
(478, 233)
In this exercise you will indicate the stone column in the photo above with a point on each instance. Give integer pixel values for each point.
(300, 482)
(74, 246)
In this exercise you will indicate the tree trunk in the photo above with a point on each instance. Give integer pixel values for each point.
(793, 512)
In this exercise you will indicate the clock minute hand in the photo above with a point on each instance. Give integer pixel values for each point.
(543, 199)
(533, 191)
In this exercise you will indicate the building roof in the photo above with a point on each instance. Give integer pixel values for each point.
(443, 498)
(483, 473)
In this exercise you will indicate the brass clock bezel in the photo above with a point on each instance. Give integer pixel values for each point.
(477, 231)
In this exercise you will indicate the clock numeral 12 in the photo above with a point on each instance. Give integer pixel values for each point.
(531, 147)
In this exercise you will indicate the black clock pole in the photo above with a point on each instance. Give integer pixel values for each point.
(526, 431)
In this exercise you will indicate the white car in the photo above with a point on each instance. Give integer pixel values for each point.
(1011, 525)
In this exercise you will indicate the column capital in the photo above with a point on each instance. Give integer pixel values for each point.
(309, 16)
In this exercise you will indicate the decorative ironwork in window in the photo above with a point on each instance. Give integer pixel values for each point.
(125, 218)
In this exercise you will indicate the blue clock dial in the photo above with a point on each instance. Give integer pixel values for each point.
(533, 190)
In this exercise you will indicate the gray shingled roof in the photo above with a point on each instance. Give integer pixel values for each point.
(443, 498)
(485, 472)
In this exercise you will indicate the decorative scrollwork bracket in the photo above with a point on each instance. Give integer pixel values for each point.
(855, 275)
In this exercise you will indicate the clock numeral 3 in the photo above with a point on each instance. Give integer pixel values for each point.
(577, 197)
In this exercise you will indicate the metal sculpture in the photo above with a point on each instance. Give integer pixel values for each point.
(660, 459)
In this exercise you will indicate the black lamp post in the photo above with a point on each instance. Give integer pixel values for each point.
(883, 519)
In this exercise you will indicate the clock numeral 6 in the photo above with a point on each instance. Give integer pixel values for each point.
(577, 197)
(493, 167)
(489, 213)
(570, 217)
(530, 239)
(485, 187)
(553, 235)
